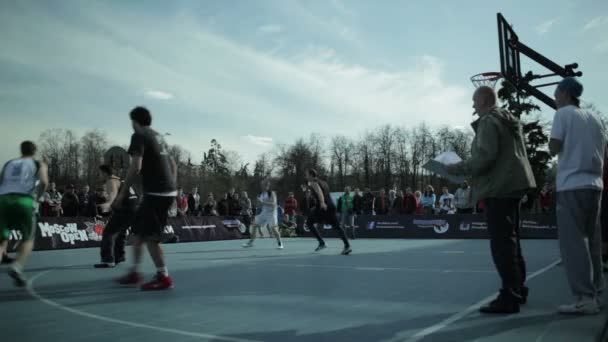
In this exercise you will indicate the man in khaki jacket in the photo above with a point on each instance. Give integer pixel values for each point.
(501, 175)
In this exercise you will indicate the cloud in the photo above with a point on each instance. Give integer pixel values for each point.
(237, 89)
(595, 22)
(270, 29)
(259, 141)
(602, 46)
(158, 94)
(341, 7)
(546, 26)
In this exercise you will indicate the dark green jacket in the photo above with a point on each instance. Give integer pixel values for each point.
(499, 164)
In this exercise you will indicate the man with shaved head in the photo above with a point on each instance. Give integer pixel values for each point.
(501, 175)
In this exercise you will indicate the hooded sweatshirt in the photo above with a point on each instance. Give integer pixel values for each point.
(499, 164)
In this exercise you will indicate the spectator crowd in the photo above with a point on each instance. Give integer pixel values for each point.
(72, 203)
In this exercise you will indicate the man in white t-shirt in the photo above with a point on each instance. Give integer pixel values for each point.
(578, 139)
(446, 202)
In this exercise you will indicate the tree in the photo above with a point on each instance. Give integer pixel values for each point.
(94, 144)
(340, 150)
(215, 170)
(518, 104)
(384, 141)
(51, 142)
(61, 149)
(402, 164)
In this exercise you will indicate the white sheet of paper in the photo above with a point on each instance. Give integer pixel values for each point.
(448, 158)
(438, 165)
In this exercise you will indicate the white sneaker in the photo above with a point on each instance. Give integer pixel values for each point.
(585, 306)
(248, 244)
(280, 246)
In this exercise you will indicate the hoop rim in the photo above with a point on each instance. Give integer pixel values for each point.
(489, 76)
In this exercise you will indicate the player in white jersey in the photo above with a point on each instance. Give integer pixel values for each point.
(22, 180)
(268, 216)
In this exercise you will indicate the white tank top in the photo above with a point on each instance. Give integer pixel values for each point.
(20, 177)
(268, 208)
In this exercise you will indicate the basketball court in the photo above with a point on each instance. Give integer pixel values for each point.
(388, 290)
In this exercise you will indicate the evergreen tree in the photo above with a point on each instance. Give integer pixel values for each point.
(519, 104)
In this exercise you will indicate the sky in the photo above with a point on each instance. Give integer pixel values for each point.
(255, 74)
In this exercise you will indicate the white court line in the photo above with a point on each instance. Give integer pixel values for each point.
(32, 291)
(457, 316)
(453, 252)
(373, 268)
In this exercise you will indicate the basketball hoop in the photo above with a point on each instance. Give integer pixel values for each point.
(486, 79)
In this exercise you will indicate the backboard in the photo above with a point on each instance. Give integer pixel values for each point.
(511, 48)
(509, 56)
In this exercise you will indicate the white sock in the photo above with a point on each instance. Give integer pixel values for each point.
(163, 270)
(17, 267)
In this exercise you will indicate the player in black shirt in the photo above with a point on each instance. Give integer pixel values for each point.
(114, 235)
(150, 158)
(325, 211)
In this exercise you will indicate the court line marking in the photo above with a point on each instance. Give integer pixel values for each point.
(459, 315)
(32, 292)
(377, 268)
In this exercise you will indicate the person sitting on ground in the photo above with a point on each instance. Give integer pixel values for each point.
(287, 228)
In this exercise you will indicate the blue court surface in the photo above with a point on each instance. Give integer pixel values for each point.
(387, 290)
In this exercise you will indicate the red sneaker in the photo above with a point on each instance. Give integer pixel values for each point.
(160, 282)
(131, 278)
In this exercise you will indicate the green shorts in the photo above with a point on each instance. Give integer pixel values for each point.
(17, 213)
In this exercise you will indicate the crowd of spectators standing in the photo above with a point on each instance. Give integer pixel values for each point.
(71, 203)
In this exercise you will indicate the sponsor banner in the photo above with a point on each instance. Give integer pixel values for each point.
(81, 232)
(469, 226)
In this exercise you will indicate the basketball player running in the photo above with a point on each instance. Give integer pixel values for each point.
(268, 215)
(158, 170)
(324, 212)
(114, 235)
(18, 191)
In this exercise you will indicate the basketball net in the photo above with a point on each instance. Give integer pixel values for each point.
(486, 79)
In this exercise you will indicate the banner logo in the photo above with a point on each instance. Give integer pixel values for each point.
(15, 235)
(95, 230)
(442, 229)
(68, 233)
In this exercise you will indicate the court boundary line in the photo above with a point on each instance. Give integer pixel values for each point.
(379, 268)
(32, 291)
(459, 315)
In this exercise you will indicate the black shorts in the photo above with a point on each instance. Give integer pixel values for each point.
(328, 216)
(119, 221)
(151, 216)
